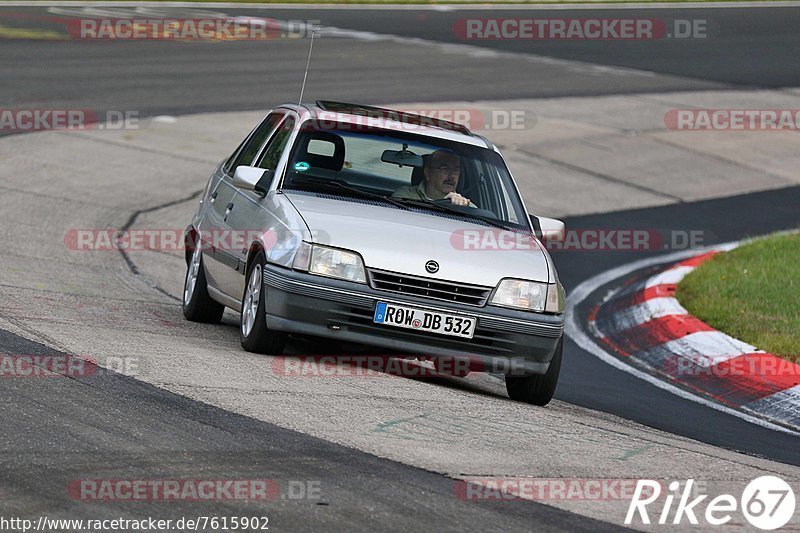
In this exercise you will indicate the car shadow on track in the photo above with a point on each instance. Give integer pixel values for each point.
(313, 355)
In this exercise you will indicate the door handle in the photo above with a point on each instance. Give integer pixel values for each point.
(228, 209)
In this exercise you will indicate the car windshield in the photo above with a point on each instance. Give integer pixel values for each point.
(406, 169)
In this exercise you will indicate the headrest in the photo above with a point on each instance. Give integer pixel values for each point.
(331, 162)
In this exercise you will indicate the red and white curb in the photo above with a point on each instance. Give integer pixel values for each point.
(642, 329)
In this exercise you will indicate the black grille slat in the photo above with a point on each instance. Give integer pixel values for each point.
(435, 289)
(424, 291)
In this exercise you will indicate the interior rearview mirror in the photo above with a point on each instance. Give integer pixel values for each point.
(253, 179)
(403, 158)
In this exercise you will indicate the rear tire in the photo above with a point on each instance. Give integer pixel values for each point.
(197, 304)
(253, 331)
(537, 389)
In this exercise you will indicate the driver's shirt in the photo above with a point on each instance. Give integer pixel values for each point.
(412, 192)
(416, 192)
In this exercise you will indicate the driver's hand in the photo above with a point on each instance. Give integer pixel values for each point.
(457, 199)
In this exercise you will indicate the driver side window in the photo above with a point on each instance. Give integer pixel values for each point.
(251, 146)
(273, 151)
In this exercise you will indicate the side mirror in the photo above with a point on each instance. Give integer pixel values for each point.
(552, 229)
(252, 179)
(548, 229)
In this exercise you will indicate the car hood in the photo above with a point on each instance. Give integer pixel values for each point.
(404, 241)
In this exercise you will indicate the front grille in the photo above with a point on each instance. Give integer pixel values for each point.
(447, 291)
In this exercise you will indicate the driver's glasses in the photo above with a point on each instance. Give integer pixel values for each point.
(444, 169)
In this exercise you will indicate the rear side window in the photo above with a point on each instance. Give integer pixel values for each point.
(250, 148)
(272, 153)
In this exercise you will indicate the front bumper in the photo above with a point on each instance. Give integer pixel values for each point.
(504, 340)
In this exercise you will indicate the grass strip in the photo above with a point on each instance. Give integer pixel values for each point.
(751, 293)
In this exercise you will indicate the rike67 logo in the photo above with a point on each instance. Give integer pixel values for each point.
(767, 503)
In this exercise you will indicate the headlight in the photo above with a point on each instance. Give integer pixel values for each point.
(330, 262)
(521, 294)
(529, 295)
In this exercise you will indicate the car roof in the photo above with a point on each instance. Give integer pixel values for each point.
(380, 117)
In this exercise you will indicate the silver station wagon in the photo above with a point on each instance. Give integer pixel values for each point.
(382, 228)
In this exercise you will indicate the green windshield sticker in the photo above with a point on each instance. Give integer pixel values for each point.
(301, 166)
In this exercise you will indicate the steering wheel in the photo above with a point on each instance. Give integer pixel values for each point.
(466, 209)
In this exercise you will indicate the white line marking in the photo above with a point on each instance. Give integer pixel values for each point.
(708, 348)
(783, 405)
(671, 276)
(646, 311)
(478, 4)
(582, 291)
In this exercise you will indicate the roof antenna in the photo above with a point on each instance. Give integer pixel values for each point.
(308, 62)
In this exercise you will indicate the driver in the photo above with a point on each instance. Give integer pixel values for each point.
(442, 170)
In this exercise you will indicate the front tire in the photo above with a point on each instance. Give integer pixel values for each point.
(197, 304)
(537, 389)
(254, 334)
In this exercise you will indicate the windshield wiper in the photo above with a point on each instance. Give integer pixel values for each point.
(340, 185)
(441, 206)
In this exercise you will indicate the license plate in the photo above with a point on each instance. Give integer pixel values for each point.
(423, 320)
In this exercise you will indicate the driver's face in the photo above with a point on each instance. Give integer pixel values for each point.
(442, 176)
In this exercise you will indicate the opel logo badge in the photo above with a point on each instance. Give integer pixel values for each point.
(432, 266)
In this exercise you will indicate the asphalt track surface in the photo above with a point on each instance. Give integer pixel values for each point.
(753, 48)
(166, 436)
